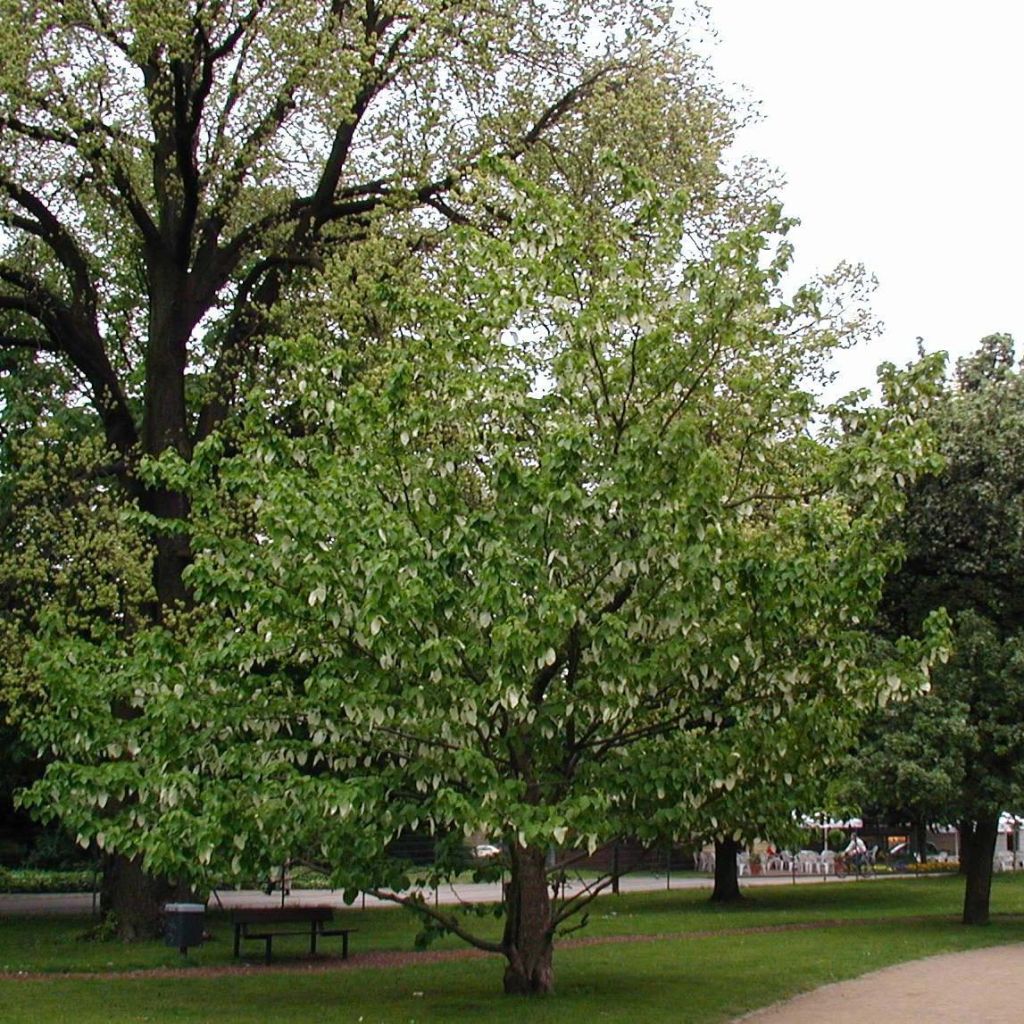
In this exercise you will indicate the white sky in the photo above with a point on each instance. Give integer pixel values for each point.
(898, 126)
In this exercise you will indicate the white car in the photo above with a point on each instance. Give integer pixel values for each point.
(486, 851)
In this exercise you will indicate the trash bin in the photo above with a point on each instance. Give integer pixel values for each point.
(183, 924)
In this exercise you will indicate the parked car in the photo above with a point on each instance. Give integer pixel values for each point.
(485, 851)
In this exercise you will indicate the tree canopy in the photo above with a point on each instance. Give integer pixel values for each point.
(177, 179)
(964, 535)
(445, 382)
(563, 557)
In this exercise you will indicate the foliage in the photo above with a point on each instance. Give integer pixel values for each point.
(957, 754)
(910, 763)
(38, 880)
(964, 531)
(176, 180)
(571, 584)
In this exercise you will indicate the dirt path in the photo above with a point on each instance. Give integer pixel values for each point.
(983, 986)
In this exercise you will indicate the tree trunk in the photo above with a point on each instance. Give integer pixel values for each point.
(165, 421)
(980, 844)
(727, 875)
(135, 898)
(132, 897)
(963, 829)
(528, 926)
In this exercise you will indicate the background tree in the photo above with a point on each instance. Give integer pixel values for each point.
(800, 762)
(964, 535)
(174, 177)
(908, 766)
(556, 586)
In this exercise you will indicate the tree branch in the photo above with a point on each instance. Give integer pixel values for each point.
(60, 241)
(577, 902)
(448, 921)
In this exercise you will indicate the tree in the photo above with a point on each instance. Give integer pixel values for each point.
(908, 766)
(771, 805)
(559, 559)
(964, 534)
(176, 178)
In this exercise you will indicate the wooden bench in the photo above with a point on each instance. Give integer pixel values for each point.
(265, 923)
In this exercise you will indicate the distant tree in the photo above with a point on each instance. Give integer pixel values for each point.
(908, 766)
(804, 759)
(964, 536)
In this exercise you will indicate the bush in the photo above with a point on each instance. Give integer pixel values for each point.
(34, 880)
(54, 849)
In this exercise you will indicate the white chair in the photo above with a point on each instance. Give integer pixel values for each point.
(827, 862)
(742, 864)
(1002, 861)
(808, 862)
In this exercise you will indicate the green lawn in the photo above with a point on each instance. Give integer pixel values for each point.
(686, 975)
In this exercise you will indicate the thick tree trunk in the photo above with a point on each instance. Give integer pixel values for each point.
(132, 897)
(963, 828)
(528, 926)
(979, 843)
(135, 898)
(727, 875)
(165, 421)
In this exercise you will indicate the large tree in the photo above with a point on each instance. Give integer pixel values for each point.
(964, 535)
(175, 176)
(568, 554)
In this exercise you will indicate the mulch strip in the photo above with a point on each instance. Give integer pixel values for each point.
(388, 959)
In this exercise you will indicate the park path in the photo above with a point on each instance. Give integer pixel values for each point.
(17, 904)
(983, 986)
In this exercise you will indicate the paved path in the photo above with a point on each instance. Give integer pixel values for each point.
(984, 986)
(472, 892)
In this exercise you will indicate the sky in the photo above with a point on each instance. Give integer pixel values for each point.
(898, 125)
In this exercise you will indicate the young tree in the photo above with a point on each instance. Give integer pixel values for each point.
(964, 534)
(173, 178)
(560, 558)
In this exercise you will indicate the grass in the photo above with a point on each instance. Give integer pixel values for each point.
(706, 967)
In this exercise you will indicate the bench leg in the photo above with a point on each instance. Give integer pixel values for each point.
(238, 938)
(268, 940)
(344, 945)
(312, 937)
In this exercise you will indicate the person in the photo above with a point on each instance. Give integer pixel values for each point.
(856, 852)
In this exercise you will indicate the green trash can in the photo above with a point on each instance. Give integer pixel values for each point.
(183, 924)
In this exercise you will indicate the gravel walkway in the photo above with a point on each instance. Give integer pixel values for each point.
(983, 986)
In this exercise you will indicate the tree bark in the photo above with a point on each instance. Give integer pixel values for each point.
(727, 875)
(134, 898)
(979, 843)
(963, 828)
(528, 926)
